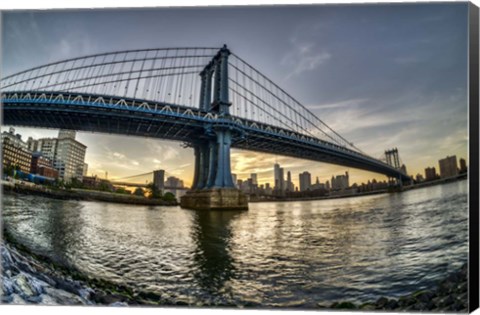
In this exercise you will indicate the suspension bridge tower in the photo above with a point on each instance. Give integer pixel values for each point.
(213, 187)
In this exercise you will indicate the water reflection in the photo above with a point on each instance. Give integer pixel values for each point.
(212, 236)
(276, 254)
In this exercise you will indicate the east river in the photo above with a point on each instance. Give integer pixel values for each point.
(276, 254)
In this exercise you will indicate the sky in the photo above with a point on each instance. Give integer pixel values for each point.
(381, 75)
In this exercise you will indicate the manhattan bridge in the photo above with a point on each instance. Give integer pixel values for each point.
(207, 98)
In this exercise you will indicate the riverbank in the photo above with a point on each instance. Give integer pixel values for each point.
(31, 279)
(83, 194)
(361, 194)
(450, 295)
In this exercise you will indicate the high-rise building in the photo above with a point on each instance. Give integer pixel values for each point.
(279, 178)
(70, 134)
(253, 176)
(448, 166)
(305, 180)
(67, 154)
(234, 179)
(289, 184)
(341, 181)
(430, 173)
(85, 169)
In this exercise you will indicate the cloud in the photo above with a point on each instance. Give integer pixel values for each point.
(118, 155)
(304, 57)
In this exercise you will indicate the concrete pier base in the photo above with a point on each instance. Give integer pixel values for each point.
(214, 199)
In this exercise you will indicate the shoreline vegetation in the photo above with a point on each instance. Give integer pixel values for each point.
(28, 278)
(83, 194)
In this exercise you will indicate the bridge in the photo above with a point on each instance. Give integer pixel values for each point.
(207, 98)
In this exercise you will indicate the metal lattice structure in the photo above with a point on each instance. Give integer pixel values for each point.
(208, 98)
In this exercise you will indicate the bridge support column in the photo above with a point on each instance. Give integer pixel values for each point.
(213, 187)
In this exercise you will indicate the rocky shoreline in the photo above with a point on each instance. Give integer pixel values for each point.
(30, 279)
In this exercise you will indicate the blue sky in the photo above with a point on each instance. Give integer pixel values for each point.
(381, 75)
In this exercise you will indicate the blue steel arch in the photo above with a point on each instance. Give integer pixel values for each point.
(62, 97)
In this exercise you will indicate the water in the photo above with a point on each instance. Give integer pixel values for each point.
(276, 254)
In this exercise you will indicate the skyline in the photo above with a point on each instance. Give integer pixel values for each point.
(387, 82)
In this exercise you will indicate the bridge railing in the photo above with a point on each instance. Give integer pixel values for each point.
(168, 75)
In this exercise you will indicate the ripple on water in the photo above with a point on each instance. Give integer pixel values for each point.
(294, 254)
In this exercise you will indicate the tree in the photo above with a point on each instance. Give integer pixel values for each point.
(153, 191)
(139, 192)
(168, 196)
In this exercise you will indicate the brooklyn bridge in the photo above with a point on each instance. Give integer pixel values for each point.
(207, 98)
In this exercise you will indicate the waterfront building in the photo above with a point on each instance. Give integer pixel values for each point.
(279, 178)
(42, 166)
(305, 180)
(430, 173)
(448, 166)
(15, 152)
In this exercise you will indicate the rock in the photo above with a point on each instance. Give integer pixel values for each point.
(6, 299)
(21, 285)
(381, 302)
(48, 300)
(86, 293)
(7, 260)
(423, 296)
(108, 299)
(344, 305)
(17, 299)
(64, 298)
(7, 286)
(367, 307)
(391, 304)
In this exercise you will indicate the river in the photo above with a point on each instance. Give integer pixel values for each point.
(281, 254)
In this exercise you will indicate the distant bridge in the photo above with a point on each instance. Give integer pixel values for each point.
(208, 98)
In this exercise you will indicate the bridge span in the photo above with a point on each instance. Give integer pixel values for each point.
(209, 99)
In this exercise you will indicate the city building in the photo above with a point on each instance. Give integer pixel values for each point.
(340, 182)
(42, 166)
(253, 176)
(279, 178)
(85, 169)
(448, 166)
(234, 179)
(67, 154)
(305, 180)
(289, 184)
(15, 152)
(463, 166)
(174, 182)
(430, 173)
(419, 178)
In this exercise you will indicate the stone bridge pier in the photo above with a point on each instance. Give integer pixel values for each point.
(213, 187)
